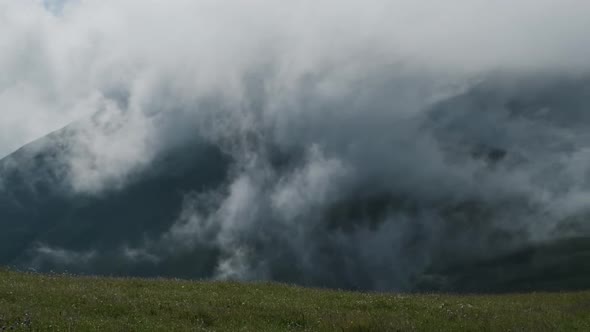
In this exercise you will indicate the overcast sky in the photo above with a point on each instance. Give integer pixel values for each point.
(58, 64)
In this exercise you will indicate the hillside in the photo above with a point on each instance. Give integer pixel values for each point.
(64, 303)
(490, 196)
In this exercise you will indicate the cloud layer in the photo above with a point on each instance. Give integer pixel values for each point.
(61, 58)
(365, 142)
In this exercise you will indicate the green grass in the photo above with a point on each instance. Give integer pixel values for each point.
(65, 303)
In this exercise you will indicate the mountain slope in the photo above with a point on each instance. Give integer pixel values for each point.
(493, 213)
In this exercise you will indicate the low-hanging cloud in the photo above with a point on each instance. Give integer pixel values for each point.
(362, 139)
(55, 64)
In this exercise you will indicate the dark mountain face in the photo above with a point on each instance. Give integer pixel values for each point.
(39, 205)
(490, 209)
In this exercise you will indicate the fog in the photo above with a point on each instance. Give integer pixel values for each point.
(363, 143)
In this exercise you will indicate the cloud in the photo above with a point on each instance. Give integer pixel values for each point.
(52, 65)
(359, 135)
(61, 257)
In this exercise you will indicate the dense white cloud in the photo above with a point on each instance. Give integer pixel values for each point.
(54, 64)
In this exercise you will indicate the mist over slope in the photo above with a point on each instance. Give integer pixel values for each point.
(319, 143)
(384, 215)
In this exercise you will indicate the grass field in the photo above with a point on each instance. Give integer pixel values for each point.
(32, 302)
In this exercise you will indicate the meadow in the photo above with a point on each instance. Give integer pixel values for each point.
(51, 302)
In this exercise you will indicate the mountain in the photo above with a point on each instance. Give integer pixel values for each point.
(39, 206)
(495, 236)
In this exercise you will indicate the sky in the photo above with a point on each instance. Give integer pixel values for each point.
(59, 59)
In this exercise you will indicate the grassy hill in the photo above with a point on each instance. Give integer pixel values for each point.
(32, 302)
